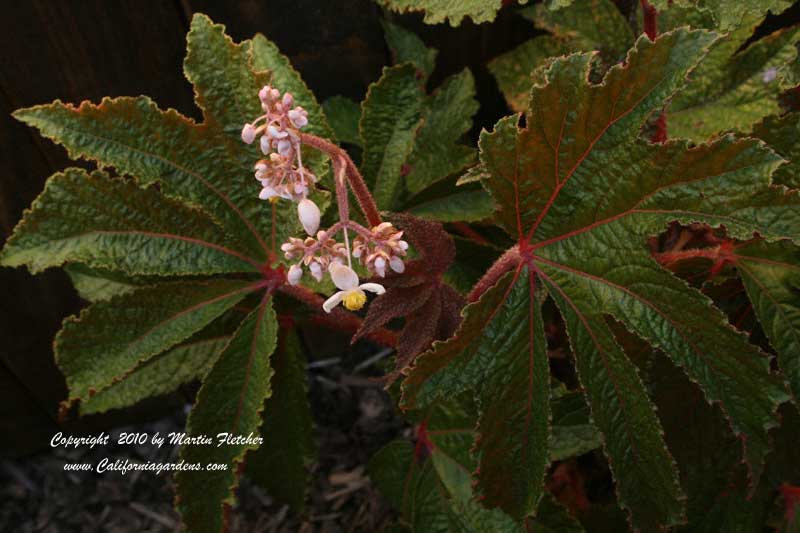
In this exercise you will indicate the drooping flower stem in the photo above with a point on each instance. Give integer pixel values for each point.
(354, 178)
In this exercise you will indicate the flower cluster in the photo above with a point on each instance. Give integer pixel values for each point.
(382, 248)
(282, 174)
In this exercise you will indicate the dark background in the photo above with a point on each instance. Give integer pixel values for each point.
(77, 50)
(85, 49)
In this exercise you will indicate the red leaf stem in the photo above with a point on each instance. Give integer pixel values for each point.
(507, 262)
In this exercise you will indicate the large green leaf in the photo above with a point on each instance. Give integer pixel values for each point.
(732, 89)
(500, 344)
(111, 223)
(730, 14)
(771, 276)
(466, 206)
(94, 284)
(406, 46)
(783, 135)
(582, 193)
(205, 165)
(280, 465)
(390, 116)
(586, 25)
(110, 339)
(447, 116)
(453, 11)
(343, 115)
(230, 401)
(513, 70)
(160, 375)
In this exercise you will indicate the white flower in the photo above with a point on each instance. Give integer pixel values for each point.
(351, 294)
(769, 75)
(294, 275)
(308, 213)
(248, 133)
(265, 144)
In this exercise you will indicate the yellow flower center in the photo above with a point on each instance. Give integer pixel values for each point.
(274, 199)
(355, 300)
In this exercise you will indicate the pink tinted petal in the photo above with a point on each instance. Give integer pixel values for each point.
(343, 277)
(333, 301)
(377, 288)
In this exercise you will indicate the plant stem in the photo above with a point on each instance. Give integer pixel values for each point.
(354, 178)
(507, 262)
(338, 317)
(650, 16)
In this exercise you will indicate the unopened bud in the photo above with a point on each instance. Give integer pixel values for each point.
(248, 133)
(294, 275)
(309, 215)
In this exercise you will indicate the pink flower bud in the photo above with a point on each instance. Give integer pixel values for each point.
(309, 215)
(275, 133)
(288, 100)
(263, 94)
(264, 144)
(380, 266)
(248, 133)
(285, 147)
(316, 270)
(298, 116)
(294, 275)
(403, 245)
(397, 264)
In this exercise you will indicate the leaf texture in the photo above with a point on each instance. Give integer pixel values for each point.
(390, 115)
(280, 465)
(771, 276)
(782, 134)
(111, 223)
(230, 401)
(453, 11)
(110, 339)
(582, 192)
(732, 89)
(162, 374)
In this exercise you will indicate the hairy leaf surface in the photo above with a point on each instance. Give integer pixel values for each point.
(160, 375)
(782, 134)
(585, 25)
(230, 400)
(582, 192)
(771, 276)
(110, 339)
(447, 116)
(390, 116)
(732, 89)
(111, 223)
(406, 46)
(730, 14)
(280, 465)
(453, 11)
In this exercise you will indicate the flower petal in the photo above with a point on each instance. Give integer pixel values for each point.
(343, 277)
(333, 301)
(377, 288)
